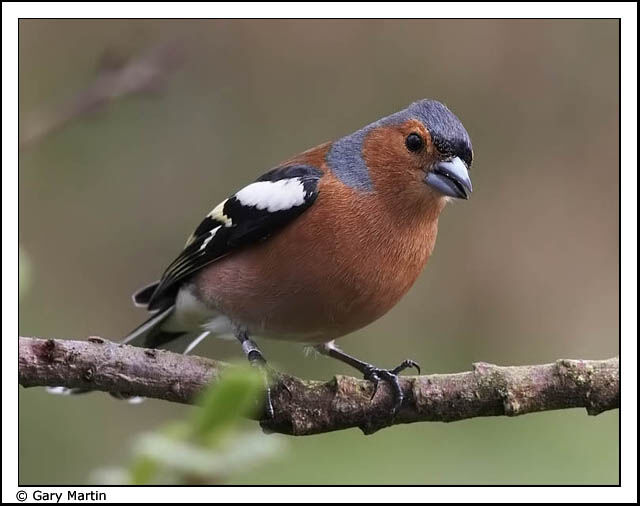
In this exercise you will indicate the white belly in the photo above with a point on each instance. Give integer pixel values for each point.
(192, 315)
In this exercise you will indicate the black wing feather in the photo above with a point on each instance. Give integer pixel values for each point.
(241, 225)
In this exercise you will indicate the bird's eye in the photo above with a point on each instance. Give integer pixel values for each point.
(414, 142)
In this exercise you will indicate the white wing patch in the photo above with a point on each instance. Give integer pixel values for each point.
(218, 214)
(212, 234)
(273, 195)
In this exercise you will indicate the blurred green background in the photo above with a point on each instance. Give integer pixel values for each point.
(524, 272)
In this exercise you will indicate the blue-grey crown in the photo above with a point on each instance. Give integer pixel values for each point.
(447, 132)
(449, 136)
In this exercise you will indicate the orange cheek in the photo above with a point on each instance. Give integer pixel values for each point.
(393, 169)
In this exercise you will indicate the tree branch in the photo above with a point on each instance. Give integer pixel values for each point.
(305, 407)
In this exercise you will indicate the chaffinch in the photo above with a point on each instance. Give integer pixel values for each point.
(320, 246)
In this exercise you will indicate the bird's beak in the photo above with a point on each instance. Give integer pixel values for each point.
(451, 178)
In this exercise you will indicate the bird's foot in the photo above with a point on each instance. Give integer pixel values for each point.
(376, 375)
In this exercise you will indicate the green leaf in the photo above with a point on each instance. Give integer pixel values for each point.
(205, 449)
(186, 460)
(236, 395)
(143, 470)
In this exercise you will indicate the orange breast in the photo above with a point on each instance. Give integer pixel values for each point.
(341, 265)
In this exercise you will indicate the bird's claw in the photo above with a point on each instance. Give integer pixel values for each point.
(375, 375)
(405, 365)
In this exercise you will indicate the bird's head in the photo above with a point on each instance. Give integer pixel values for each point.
(422, 151)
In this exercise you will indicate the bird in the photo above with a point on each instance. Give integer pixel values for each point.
(318, 247)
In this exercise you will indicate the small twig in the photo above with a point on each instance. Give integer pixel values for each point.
(309, 407)
(147, 73)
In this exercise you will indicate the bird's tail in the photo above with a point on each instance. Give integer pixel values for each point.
(149, 334)
(142, 297)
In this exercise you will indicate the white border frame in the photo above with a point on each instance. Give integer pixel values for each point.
(11, 12)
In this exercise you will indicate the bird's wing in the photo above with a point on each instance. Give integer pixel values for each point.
(250, 215)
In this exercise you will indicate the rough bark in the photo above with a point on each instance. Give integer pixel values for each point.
(305, 407)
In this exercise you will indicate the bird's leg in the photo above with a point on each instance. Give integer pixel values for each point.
(256, 359)
(371, 372)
